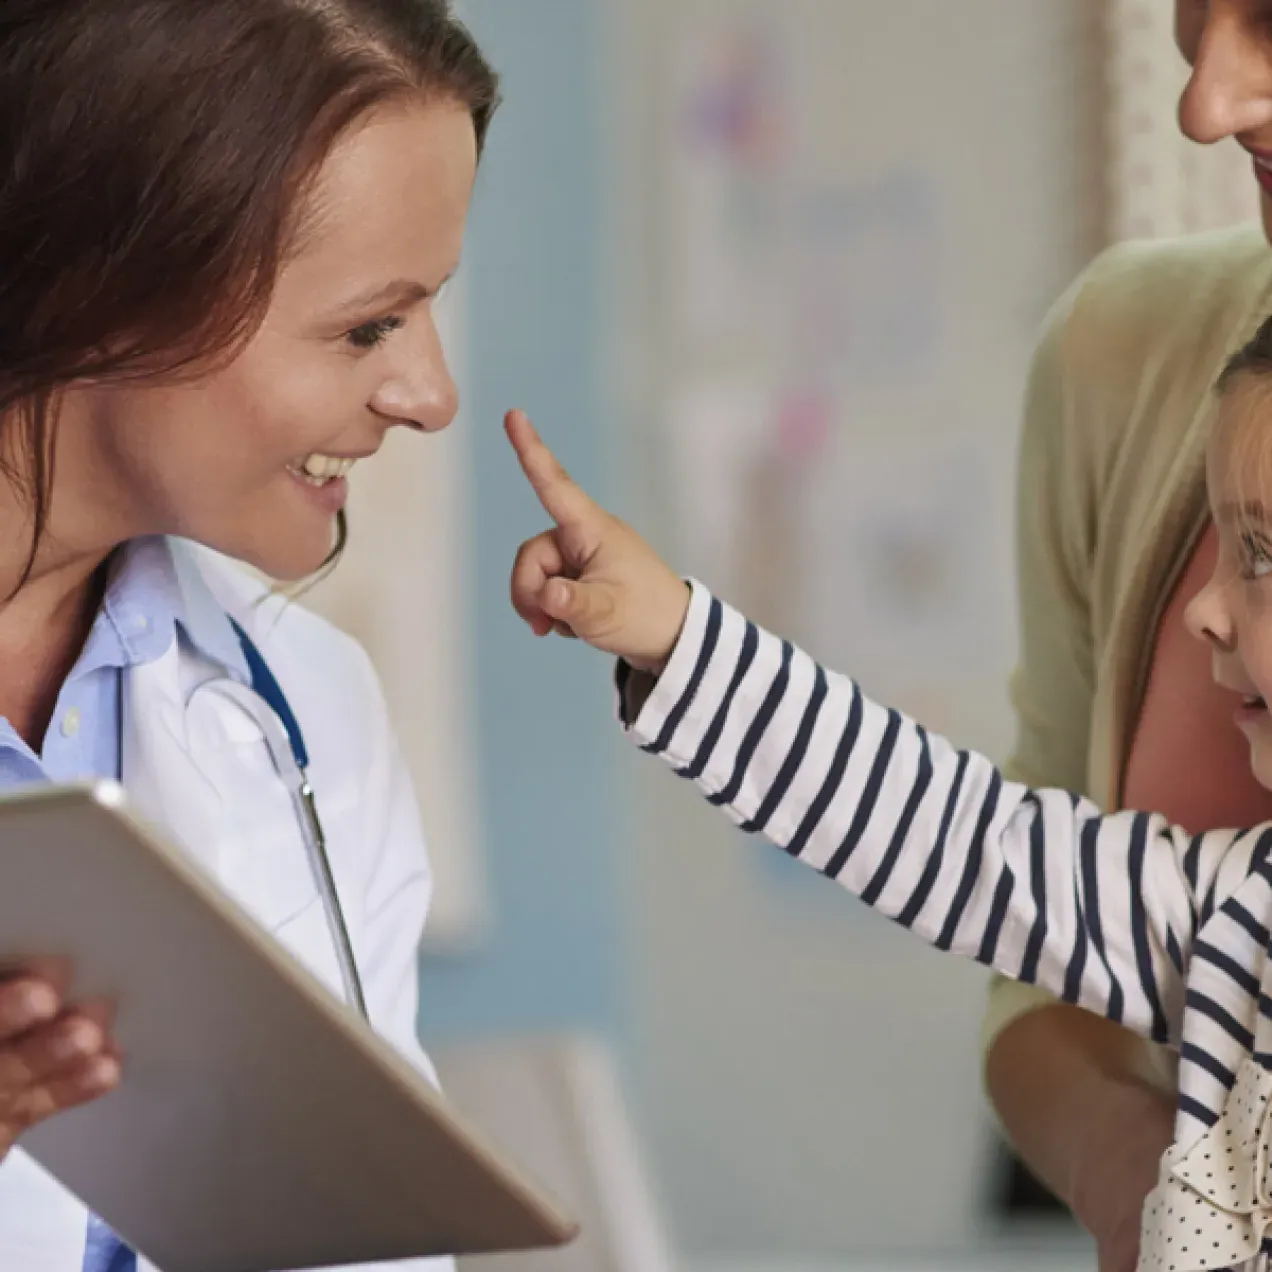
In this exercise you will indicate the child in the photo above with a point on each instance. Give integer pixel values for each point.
(1124, 915)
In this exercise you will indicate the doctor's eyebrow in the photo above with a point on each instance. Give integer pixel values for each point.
(399, 292)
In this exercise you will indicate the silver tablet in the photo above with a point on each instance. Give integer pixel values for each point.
(260, 1125)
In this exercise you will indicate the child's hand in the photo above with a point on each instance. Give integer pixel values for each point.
(592, 576)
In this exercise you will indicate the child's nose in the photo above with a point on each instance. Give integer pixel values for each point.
(1208, 619)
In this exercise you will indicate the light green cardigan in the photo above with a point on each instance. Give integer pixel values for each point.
(1112, 499)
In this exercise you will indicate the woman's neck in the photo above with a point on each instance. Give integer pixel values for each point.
(49, 597)
(43, 627)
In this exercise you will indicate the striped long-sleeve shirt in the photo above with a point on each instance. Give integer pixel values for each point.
(1124, 914)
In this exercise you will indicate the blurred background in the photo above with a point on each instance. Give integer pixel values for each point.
(768, 276)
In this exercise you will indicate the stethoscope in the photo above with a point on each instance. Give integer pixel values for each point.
(290, 756)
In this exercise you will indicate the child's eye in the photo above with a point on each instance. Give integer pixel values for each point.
(372, 334)
(1256, 554)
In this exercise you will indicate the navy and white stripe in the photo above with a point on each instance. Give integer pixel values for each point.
(1122, 914)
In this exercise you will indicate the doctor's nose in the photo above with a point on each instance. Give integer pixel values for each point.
(419, 390)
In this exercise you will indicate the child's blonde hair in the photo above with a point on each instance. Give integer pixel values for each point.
(1242, 438)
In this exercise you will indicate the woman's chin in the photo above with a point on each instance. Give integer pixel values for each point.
(287, 562)
(292, 570)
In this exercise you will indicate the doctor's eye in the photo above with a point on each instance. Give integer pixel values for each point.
(370, 335)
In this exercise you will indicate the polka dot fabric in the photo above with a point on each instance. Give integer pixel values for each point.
(1212, 1208)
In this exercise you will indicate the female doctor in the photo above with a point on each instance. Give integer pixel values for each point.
(223, 224)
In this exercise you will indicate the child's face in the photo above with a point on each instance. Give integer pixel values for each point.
(1233, 612)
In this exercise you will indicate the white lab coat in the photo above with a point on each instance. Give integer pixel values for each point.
(203, 772)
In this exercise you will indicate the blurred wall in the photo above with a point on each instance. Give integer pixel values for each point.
(806, 1079)
(535, 337)
(809, 1075)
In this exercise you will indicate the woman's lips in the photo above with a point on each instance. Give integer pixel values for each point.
(1263, 170)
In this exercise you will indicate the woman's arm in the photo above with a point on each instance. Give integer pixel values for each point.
(1090, 1113)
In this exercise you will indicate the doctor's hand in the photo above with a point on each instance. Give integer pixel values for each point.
(591, 576)
(52, 1057)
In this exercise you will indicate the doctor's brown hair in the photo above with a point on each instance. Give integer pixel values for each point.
(154, 160)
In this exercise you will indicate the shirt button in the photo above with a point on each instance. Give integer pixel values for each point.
(71, 722)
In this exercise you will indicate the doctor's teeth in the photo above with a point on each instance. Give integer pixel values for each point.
(324, 468)
(327, 466)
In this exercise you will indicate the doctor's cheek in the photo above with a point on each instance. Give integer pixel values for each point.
(53, 1056)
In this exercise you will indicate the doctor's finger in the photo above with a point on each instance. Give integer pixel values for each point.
(86, 1082)
(98, 1010)
(25, 1003)
(57, 972)
(54, 1050)
(102, 1014)
(562, 498)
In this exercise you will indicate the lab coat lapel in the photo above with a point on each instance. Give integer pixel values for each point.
(161, 778)
(199, 771)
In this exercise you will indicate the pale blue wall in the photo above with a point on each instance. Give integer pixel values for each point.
(535, 331)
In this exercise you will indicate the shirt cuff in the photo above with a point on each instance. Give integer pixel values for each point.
(646, 703)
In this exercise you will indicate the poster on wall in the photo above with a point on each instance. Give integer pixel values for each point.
(838, 444)
(800, 293)
(399, 590)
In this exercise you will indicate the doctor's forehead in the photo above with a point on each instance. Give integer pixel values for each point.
(392, 198)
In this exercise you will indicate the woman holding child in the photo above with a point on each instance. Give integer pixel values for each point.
(1113, 698)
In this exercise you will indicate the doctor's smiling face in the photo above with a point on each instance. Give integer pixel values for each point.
(250, 457)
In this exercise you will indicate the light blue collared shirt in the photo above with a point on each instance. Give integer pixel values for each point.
(146, 607)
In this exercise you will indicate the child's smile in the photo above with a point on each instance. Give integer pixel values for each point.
(1253, 710)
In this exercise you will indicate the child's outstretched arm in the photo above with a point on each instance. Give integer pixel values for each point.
(1100, 910)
